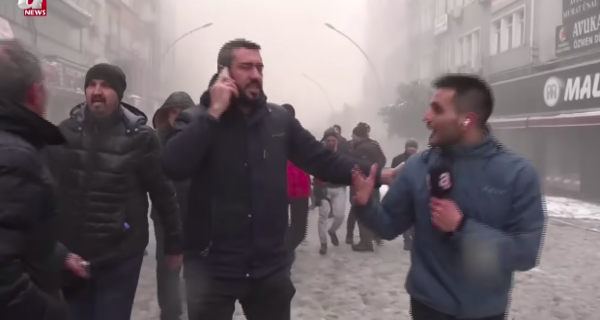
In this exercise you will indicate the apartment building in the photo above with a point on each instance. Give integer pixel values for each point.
(76, 34)
(542, 58)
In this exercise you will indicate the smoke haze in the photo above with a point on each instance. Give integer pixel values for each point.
(294, 39)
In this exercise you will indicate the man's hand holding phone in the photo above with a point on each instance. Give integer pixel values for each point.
(221, 92)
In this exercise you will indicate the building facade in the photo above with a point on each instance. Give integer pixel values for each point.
(542, 59)
(77, 34)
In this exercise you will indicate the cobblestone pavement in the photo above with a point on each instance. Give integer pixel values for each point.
(348, 285)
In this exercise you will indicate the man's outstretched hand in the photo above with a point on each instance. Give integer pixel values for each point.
(363, 186)
(388, 175)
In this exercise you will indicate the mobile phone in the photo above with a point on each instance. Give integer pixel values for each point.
(224, 72)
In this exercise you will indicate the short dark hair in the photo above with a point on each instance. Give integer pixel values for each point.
(473, 94)
(19, 69)
(337, 126)
(225, 56)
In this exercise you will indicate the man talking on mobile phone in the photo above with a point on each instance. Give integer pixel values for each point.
(234, 148)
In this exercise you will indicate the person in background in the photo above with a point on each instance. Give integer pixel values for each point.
(343, 145)
(363, 148)
(298, 188)
(470, 242)
(334, 204)
(379, 157)
(410, 147)
(31, 259)
(105, 173)
(168, 283)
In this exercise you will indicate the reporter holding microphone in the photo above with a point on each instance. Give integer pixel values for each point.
(476, 209)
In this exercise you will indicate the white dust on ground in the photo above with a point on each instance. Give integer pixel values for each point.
(349, 285)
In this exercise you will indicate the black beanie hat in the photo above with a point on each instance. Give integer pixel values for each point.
(330, 133)
(112, 74)
(361, 131)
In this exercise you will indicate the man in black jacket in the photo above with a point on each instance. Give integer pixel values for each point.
(410, 147)
(378, 157)
(343, 145)
(363, 148)
(31, 260)
(168, 279)
(105, 172)
(234, 146)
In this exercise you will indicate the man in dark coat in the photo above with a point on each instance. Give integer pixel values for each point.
(363, 148)
(168, 281)
(31, 259)
(410, 147)
(106, 171)
(234, 147)
(378, 157)
(343, 144)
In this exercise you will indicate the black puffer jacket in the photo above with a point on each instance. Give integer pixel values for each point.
(238, 218)
(106, 172)
(31, 261)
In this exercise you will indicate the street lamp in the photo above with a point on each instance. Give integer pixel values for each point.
(183, 36)
(322, 90)
(373, 69)
(170, 46)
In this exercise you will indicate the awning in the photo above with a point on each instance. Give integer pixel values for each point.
(577, 119)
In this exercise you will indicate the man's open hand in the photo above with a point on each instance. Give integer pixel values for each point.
(363, 186)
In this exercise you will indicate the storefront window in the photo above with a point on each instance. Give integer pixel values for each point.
(563, 163)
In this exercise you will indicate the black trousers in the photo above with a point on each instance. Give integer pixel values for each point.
(214, 299)
(298, 222)
(420, 311)
(168, 281)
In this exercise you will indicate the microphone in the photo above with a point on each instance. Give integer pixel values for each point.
(439, 178)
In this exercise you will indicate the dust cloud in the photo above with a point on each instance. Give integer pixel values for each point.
(295, 43)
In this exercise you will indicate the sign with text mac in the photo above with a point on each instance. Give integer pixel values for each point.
(567, 90)
(580, 30)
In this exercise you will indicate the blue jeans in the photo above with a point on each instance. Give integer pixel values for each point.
(108, 294)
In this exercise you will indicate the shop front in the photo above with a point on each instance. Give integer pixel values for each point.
(553, 118)
(64, 83)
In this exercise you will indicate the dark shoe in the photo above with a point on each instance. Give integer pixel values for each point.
(350, 240)
(334, 239)
(361, 247)
(323, 250)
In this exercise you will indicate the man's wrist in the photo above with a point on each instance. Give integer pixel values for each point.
(213, 112)
(461, 224)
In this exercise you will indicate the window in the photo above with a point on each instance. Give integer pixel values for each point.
(426, 18)
(467, 50)
(440, 8)
(508, 32)
(445, 56)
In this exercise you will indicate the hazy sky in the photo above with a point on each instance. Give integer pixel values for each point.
(294, 41)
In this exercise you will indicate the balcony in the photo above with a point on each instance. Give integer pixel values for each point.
(70, 12)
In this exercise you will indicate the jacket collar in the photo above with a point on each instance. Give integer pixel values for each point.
(15, 118)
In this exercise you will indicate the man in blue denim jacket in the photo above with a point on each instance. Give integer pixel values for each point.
(468, 244)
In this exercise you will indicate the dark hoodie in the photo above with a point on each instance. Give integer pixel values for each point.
(161, 123)
(106, 172)
(177, 99)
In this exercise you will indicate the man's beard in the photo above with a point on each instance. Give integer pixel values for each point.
(246, 100)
